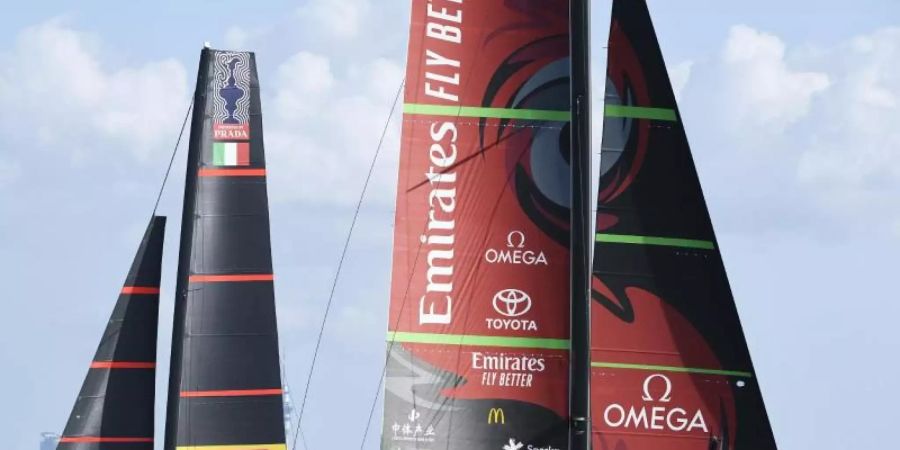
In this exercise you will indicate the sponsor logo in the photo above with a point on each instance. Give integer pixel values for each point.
(511, 304)
(436, 303)
(501, 369)
(231, 97)
(515, 252)
(657, 413)
(515, 444)
(495, 416)
(413, 430)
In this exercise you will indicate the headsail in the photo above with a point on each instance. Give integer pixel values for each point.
(115, 405)
(478, 335)
(670, 365)
(225, 381)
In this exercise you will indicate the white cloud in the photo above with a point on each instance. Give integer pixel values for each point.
(69, 101)
(323, 128)
(826, 138)
(340, 19)
(767, 91)
(680, 75)
(236, 38)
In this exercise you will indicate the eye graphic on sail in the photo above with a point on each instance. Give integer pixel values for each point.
(479, 300)
(670, 365)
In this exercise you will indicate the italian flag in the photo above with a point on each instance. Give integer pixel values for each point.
(231, 154)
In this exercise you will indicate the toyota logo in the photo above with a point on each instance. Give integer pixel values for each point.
(512, 303)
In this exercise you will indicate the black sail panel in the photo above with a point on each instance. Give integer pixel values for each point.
(670, 364)
(225, 382)
(115, 406)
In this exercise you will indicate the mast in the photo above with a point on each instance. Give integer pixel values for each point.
(670, 364)
(479, 336)
(116, 402)
(579, 403)
(225, 387)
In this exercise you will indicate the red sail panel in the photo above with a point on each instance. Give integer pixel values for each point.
(479, 314)
(670, 365)
(225, 381)
(116, 402)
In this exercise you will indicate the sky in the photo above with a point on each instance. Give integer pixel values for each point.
(792, 109)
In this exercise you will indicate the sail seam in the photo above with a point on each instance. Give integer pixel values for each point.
(234, 447)
(488, 113)
(650, 367)
(655, 240)
(134, 290)
(475, 340)
(232, 393)
(641, 112)
(231, 278)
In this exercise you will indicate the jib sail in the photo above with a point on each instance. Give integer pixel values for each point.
(670, 365)
(225, 382)
(115, 406)
(478, 332)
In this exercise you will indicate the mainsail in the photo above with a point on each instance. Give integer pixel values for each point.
(670, 365)
(478, 338)
(225, 381)
(115, 406)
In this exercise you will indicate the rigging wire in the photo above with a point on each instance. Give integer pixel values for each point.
(162, 187)
(340, 265)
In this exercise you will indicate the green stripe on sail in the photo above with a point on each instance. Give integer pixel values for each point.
(652, 368)
(483, 341)
(651, 240)
(489, 113)
(218, 154)
(638, 112)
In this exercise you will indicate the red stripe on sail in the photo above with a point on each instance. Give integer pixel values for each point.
(243, 154)
(102, 439)
(232, 172)
(140, 290)
(231, 278)
(233, 393)
(122, 365)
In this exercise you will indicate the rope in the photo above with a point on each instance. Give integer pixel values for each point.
(341, 260)
(187, 114)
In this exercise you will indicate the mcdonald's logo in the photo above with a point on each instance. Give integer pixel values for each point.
(495, 416)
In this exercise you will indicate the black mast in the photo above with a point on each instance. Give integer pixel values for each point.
(579, 402)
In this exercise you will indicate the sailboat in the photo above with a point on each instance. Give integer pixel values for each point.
(116, 401)
(225, 388)
(492, 342)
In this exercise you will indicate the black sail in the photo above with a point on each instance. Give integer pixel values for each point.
(666, 337)
(225, 382)
(114, 409)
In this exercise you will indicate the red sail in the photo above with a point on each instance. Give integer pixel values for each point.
(670, 365)
(479, 315)
(115, 405)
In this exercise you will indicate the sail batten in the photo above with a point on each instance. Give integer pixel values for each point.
(115, 406)
(225, 389)
(670, 364)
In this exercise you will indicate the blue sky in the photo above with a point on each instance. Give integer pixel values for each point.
(791, 108)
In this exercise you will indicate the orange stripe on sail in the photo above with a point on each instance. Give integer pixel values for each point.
(232, 172)
(231, 278)
(101, 439)
(140, 290)
(233, 393)
(122, 365)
